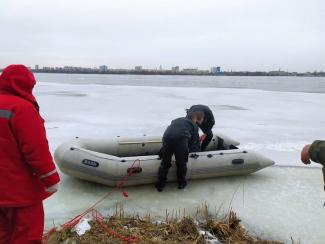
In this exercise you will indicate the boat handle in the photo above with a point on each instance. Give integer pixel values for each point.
(194, 155)
(238, 161)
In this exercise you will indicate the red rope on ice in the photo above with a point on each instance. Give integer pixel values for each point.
(96, 215)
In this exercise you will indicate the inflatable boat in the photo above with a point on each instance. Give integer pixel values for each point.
(108, 161)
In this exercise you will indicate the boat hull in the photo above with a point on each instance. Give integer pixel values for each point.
(95, 160)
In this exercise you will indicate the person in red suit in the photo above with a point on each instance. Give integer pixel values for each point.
(27, 172)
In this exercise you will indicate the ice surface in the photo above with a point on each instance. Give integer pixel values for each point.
(277, 124)
(277, 202)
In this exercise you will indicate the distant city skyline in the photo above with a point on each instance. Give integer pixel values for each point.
(212, 69)
(250, 35)
(175, 70)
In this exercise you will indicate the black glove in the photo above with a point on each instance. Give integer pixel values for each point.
(160, 153)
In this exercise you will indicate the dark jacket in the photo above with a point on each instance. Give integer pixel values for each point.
(184, 128)
(208, 121)
(317, 154)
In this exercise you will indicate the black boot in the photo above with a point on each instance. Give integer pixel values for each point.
(182, 185)
(160, 186)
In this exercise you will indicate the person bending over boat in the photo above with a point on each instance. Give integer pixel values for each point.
(206, 125)
(180, 138)
(27, 171)
(316, 153)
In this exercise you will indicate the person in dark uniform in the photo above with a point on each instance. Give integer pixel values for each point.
(180, 138)
(206, 125)
(316, 153)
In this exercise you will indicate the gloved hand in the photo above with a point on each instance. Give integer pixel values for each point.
(52, 189)
(202, 137)
(160, 153)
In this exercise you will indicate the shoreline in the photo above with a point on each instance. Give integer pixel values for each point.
(204, 227)
(86, 71)
(167, 73)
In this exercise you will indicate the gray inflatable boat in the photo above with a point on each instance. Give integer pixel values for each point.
(108, 161)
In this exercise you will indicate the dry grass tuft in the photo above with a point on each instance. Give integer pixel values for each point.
(229, 230)
(174, 230)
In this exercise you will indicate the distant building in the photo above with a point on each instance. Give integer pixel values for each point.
(215, 70)
(278, 73)
(138, 68)
(36, 67)
(103, 68)
(190, 71)
(175, 69)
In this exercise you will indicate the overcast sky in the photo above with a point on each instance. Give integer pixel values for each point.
(235, 34)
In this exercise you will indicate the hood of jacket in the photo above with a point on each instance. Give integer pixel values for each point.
(18, 80)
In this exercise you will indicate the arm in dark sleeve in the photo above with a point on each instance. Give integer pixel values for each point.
(324, 175)
(194, 142)
(317, 152)
(209, 122)
(212, 120)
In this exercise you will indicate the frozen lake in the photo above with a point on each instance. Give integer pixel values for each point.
(274, 116)
(276, 83)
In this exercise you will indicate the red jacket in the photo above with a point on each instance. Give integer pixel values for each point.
(26, 164)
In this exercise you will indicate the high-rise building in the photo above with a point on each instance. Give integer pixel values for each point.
(36, 67)
(175, 69)
(138, 68)
(215, 70)
(103, 68)
(190, 70)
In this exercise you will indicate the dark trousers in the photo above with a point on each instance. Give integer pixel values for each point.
(207, 140)
(179, 148)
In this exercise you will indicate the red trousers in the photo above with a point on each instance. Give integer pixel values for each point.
(20, 225)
